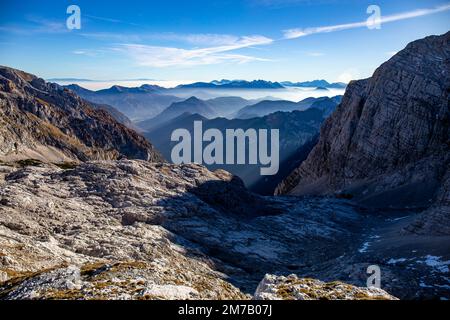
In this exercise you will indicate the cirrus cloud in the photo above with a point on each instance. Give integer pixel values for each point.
(159, 56)
(299, 32)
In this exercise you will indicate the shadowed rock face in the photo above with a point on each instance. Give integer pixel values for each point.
(46, 122)
(388, 143)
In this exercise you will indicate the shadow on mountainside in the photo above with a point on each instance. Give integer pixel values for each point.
(247, 236)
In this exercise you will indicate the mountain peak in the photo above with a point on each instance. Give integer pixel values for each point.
(193, 99)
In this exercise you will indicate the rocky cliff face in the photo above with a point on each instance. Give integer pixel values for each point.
(388, 143)
(43, 121)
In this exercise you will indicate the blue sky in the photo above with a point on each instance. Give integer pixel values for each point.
(276, 40)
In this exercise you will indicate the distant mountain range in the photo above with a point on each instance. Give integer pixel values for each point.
(116, 114)
(315, 84)
(91, 80)
(297, 130)
(190, 106)
(147, 101)
(325, 104)
(137, 103)
(212, 108)
(146, 88)
(234, 84)
(225, 84)
(235, 107)
(261, 84)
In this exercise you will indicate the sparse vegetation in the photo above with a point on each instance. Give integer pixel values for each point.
(66, 165)
(29, 163)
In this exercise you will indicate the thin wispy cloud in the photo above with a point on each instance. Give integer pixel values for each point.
(315, 54)
(36, 25)
(198, 39)
(111, 20)
(221, 46)
(42, 25)
(89, 52)
(286, 3)
(113, 36)
(167, 49)
(158, 56)
(210, 39)
(299, 32)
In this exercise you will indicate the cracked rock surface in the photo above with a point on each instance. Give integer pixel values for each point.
(132, 229)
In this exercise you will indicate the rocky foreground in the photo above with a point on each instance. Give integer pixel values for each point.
(293, 288)
(136, 230)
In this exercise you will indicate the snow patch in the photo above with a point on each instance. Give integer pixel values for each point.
(364, 248)
(436, 263)
(395, 261)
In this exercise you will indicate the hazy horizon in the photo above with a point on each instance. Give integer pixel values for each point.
(178, 42)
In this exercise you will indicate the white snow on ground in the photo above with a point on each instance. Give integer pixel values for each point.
(397, 219)
(424, 285)
(395, 261)
(364, 247)
(436, 263)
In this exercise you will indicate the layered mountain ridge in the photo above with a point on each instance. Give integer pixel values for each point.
(266, 107)
(137, 103)
(297, 129)
(46, 122)
(233, 84)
